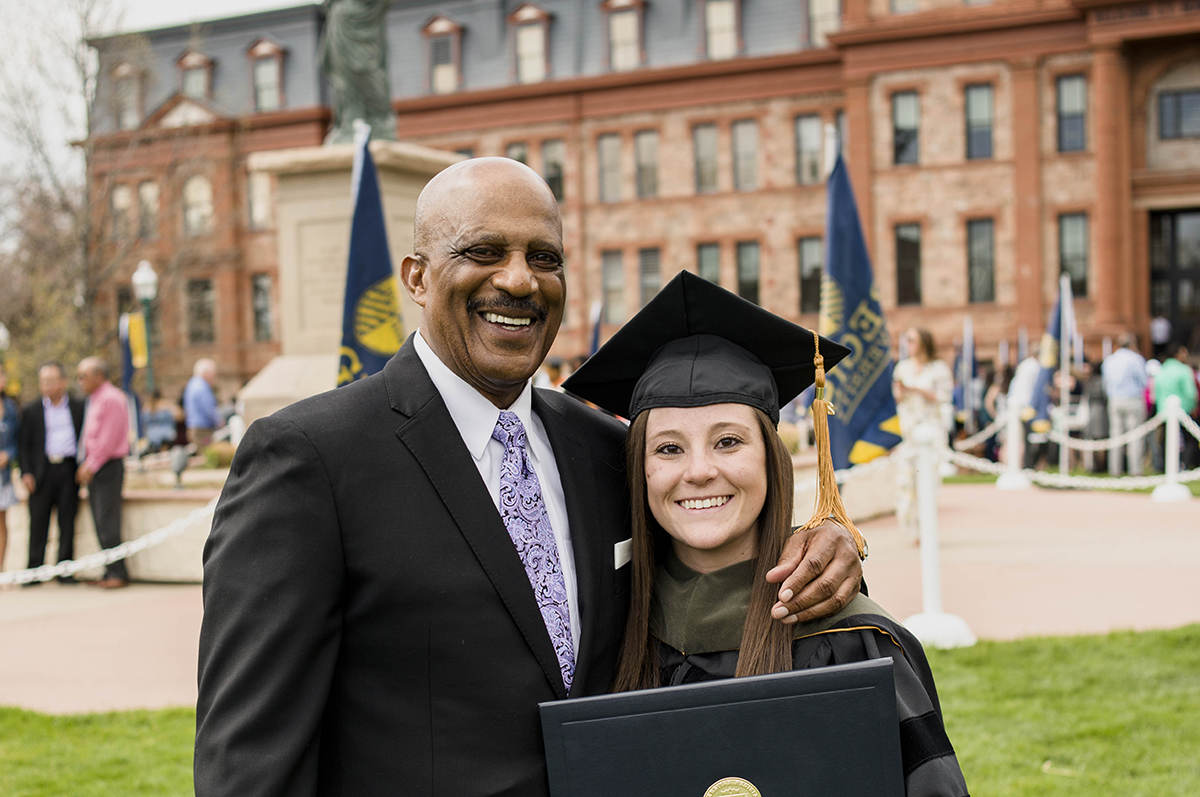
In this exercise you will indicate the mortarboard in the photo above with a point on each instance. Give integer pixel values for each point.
(696, 344)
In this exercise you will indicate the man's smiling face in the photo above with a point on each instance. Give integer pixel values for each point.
(488, 271)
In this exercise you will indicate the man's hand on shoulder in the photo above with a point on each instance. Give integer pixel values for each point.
(820, 573)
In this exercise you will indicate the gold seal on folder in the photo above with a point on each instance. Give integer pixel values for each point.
(732, 787)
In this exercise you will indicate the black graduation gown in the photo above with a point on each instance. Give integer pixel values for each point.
(697, 621)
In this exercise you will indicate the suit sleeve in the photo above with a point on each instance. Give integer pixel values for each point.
(273, 571)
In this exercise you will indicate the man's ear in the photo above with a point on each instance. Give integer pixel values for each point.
(412, 275)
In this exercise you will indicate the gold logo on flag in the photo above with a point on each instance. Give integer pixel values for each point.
(377, 324)
(732, 787)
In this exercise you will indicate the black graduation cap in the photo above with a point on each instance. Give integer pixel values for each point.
(696, 344)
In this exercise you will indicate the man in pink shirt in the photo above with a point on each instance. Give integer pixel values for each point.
(105, 445)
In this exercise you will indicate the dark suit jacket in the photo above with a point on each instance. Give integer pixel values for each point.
(31, 454)
(368, 626)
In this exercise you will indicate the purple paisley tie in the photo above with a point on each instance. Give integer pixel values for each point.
(524, 513)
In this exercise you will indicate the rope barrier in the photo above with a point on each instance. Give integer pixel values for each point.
(982, 435)
(1062, 480)
(1079, 444)
(110, 555)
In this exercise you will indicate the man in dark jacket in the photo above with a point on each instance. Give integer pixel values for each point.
(48, 452)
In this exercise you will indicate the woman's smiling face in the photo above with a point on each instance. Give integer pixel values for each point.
(706, 481)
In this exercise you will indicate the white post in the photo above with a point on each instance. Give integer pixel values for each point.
(1172, 491)
(1064, 370)
(1014, 445)
(932, 626)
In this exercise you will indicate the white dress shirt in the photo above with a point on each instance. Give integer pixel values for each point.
(60, 428)
(475, 417)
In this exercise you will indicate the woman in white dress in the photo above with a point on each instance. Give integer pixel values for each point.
(923, 386)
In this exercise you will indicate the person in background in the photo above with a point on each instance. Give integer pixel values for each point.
(200, 403)
(105, 446)
(47, 451)
(923, 386)
(1176, 378)
(1124, 374)
(1097, 415)
(160, 422)
(10, 427)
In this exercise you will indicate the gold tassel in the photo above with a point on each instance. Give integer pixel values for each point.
(829, 500)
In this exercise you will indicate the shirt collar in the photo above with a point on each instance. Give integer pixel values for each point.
(473, 414)
(50, 405)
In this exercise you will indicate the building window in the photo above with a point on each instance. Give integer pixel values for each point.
(195, 69)
(195, 82)
(121, 208)
(443, 76)
(197, 205)
(624, 39)
(808, 149)
(906, 122)
(708, 262)
(1073, 250)
(518, 151)
(613, 275)
(905, 6)
(841, 132)
(979, 121)
(262, 285)
(554, 157)
(745, 155)
(1072, 113)
(608, 155)
(201, 312)
(981, 261)
(147, 193)
(908, 264)
(645, 150)
(266, 84)
(1179, 114)
(530, 27)
(704, 141)
(650, 273)
(747, 270)
(824, 18)
(258, 194)
(127, 95)
(444, 39)
(266, 61)
(812, 262)
(720, 28)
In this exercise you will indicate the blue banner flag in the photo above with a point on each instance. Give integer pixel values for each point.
(865, 425)
(1048, 358)
(372, 330)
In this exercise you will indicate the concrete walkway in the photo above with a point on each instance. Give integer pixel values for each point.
(1014, 564)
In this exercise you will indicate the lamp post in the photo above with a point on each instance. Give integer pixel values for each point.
(145, 288)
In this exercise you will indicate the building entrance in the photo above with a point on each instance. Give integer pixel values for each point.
(1175, 273)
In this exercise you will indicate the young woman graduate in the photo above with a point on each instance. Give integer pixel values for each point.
(701, 374)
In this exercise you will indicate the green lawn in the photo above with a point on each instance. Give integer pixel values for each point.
(1059, 716)
(1053, 717)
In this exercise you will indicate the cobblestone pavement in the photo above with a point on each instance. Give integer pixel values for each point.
(1042, 562)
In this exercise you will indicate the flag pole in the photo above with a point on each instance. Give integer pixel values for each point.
(1064, 368)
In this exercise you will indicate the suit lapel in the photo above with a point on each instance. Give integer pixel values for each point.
(435, 442)
(593, 570)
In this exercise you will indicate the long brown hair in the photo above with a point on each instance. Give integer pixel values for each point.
(766, 643)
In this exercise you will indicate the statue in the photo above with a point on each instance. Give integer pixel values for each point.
(354, 58)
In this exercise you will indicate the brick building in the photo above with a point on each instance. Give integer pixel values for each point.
(991, 147)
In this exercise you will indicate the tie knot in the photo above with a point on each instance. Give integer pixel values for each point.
(509, 430)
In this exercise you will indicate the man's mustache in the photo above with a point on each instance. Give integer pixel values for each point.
(503, 303)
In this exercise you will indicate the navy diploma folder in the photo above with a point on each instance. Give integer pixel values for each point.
(824, 732)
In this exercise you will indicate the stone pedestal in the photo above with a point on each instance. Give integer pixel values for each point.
(313, 209)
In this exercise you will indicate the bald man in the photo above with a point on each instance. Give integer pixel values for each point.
(380, 615)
